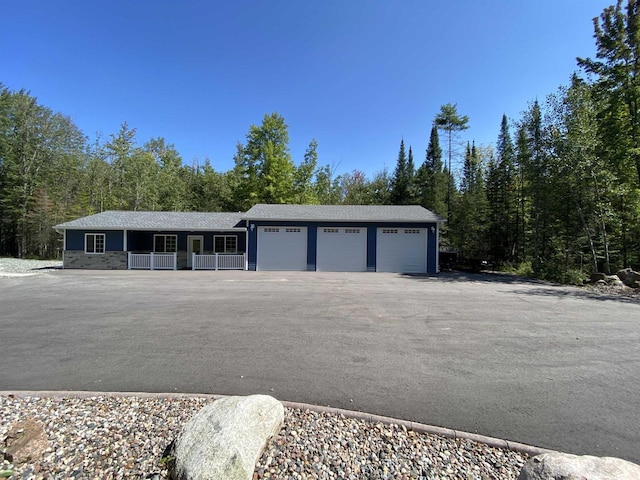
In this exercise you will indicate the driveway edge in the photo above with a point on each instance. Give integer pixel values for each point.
(367, 417)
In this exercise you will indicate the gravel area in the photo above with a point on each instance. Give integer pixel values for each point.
(125, 437)
(16, 266)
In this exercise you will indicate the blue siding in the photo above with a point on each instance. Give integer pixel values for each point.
(113, 239)
(371, 248)
(142, 241)
(253, 248)
(312, 247)
(371, 240)
(432, 266)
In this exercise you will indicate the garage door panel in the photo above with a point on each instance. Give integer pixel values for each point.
(401, 250)
(341, 249)
(282, 248)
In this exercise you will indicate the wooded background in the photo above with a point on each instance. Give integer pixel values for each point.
(557, 198)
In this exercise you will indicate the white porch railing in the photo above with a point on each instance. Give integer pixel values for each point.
(218, 261)
(153, 261)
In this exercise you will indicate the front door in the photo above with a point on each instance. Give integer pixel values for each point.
(195, 244)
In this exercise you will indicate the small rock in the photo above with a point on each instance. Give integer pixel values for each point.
(25, 442)
(595, 277)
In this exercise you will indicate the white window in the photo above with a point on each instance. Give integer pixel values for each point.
(165, 243)
(351, 230)
(271, 230)
(94, 243)
(330, 230)
(225, 244)
(293, 230)
(389, 230)
(412, 231)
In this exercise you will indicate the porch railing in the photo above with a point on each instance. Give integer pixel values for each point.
(218, 261)
(153, 261)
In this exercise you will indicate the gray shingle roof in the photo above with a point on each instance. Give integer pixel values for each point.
(192, 221)
(342, 213)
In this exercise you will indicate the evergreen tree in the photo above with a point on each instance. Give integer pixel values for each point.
(430, 178)
(412, 194)
(617, 73)
(400, 181)
(450, 122)
(501, 186)
(469, 226)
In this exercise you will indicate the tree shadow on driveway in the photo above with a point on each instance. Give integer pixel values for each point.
(482, 277)
(545, 289)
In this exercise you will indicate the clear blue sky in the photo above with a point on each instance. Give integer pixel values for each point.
(356, 75)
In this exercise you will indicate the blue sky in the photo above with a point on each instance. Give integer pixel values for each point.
(356, 75)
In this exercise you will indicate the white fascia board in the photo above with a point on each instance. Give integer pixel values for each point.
(154, 229)
(342, 220)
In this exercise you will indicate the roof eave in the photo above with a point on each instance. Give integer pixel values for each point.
(353, 220)
(59, 229)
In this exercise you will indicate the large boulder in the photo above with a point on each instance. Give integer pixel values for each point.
(598, 276)
(563, 466)
(225, 439)
(614, 281)
(622, 274)
(632, 279)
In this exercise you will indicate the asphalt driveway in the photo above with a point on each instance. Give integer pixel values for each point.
(551, 366)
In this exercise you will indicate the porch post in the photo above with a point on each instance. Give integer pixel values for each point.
(125, 247)
(128, 260)
(175, 261)
(151, 261)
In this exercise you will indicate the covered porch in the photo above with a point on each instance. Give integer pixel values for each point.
(180, 250)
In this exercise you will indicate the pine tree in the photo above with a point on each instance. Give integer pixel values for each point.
(430, 179)
(501, 187)
(450, 122)
(469, 225)
(400, 180)
(411, 180)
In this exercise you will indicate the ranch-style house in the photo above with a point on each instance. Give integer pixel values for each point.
(353, 238)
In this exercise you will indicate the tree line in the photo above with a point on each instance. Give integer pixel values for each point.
(557, 197)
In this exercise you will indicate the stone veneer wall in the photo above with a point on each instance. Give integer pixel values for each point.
(102, 261)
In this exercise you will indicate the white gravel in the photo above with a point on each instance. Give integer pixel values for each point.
(19, 267)
(124, 437)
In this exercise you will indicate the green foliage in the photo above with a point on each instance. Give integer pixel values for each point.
(403, 179)
(503, 199)
(449, 121)
(468, 227)
(558, 200)
(431, 181)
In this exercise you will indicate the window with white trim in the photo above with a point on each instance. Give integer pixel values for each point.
(330, 230)
(293, 230)
(412, 230)
(165, 243)
(94, 242)
(271, 230)
(389, 230)
(351, 230)
(225, 244)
